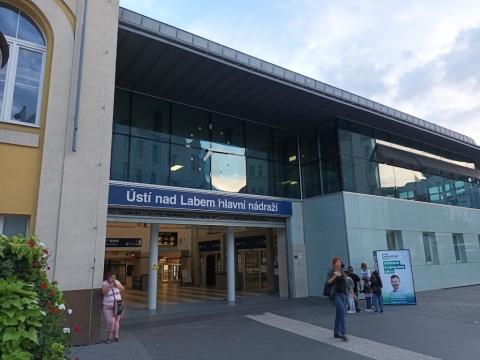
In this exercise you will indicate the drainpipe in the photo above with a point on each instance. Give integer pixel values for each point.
(79, 78)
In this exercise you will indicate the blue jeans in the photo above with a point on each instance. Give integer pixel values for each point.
(341, 305)
(378, 302)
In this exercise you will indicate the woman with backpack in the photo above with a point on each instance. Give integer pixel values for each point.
(336, 281)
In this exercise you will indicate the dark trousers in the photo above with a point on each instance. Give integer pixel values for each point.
(341, 306)
(378, 302)
(356, 301)
(368, 300)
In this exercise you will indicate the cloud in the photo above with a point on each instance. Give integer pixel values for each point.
(447, 88)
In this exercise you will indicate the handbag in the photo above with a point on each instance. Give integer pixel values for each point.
(117, 305)
(328, 290)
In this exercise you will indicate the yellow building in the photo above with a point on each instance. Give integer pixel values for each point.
(54, 141)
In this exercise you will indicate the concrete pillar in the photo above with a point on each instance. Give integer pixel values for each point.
(270, 259)
(153, 268)
(230, 239)
(283, 270)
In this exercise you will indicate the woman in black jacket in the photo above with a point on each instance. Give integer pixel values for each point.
(336, 278)
(376, 284)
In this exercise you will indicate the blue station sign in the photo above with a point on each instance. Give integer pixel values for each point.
(144, 196)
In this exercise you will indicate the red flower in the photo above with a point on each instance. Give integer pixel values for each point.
(54, 311)
(31, 243)
(43, 285)
(45, 251)
(52, 292)
(77, 328)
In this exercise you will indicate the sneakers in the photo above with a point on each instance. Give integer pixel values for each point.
(117, 339)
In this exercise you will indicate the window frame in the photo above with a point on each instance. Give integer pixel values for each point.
(430, 238)
(457, 247)
(4, 216)
(397, 239)
(15, 44)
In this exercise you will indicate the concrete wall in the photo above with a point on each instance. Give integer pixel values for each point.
(325, 237)
(368, 217)
(72, 186)
(297, 258)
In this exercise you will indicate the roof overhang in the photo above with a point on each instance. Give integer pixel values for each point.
(166, 62)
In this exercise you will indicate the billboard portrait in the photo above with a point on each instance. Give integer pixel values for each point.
(395, 269)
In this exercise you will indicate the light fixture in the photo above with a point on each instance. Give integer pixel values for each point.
(289, 182)
(176, 167)
(292, 158)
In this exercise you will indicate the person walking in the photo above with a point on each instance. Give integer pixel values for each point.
(336, 278)
(356, 286)
(112, 306)
(376, 282)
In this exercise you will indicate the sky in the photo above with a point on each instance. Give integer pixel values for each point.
(421, 57)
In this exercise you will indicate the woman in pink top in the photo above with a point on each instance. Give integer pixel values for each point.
(111, 289)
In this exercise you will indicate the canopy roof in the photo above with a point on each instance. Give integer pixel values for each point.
(163, 61)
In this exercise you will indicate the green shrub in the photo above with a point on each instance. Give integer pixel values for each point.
(32, 310)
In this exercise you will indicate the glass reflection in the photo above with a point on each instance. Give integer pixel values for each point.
(228, 172)
(8, 20)
(228, 135)
(119, 159)
(387, 179)
(25, 95)
(204, 150)
(28, 31)
(260, 177)
(287, 182)
(259, 141)
(188, 167)
(285, 146)
(190, 127)
(150, 118)
(121, 112)
(2, 85)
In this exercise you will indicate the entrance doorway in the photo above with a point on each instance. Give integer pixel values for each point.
(192, 262)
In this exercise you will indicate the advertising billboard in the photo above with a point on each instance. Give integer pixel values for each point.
(395, 269)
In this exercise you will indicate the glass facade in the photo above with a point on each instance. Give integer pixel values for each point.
(159, 142)
(376, 163)
(319, 160)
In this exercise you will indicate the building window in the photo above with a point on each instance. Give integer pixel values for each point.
(459, 248)
(21, 80)
(431, 248)
(394, 240)
(13, 225)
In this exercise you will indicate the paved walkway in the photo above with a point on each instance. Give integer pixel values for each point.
(444, 325)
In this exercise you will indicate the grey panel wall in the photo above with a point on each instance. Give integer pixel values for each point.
(325, 237)
(368, 217)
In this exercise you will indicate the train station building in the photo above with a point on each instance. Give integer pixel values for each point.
(196, 172)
